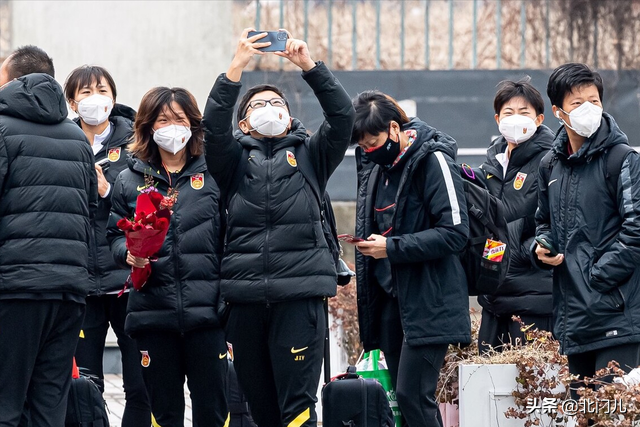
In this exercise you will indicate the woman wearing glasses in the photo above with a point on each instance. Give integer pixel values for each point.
(276, 268)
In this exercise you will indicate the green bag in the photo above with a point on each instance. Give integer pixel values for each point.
(372, 367)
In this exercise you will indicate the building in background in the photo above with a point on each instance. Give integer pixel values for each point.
(142, 43)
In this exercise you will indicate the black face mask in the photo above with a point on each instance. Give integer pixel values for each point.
(385, 154)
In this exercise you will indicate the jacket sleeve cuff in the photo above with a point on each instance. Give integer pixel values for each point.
(598, 285)
(225, 91)
(318, 75)
(534, 258)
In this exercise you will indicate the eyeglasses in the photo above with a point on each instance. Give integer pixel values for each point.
(259, 103)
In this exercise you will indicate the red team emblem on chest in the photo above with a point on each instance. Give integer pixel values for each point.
(114, 154)
(146, 359)
(291, 159)
(197, 181)
(519, 181)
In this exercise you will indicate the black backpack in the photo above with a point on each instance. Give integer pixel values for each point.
(327, 215)
(86, 407)
(486, 221)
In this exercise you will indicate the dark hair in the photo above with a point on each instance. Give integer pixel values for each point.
(243, 106)
(507, 90)
(567, 77)
(374, 111)
(29, 59)
(85, 76)
(152, 104)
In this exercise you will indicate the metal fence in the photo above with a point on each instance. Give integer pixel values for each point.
(457, 34)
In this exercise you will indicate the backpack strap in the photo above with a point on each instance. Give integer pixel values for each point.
(614, 157)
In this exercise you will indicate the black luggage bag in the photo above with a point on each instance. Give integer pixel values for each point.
(350, 400)
(86, 407)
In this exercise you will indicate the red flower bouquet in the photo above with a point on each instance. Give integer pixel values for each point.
(146, 232)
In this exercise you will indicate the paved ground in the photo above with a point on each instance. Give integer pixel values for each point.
(114, 395)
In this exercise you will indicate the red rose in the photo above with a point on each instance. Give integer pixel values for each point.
(156, 198)
(162, 224)
(124, 224)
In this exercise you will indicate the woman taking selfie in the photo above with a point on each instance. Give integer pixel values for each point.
(91, 93)
(173, 317)
(277, 268)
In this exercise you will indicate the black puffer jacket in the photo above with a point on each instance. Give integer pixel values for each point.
(48, 192)
(596, 290)
(430, 228)
(104, 275)
(275, 248)
(183, 290)
(526, 289)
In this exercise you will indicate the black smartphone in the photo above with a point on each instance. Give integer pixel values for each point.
(546, 245)
(104, 163)
(278, 40)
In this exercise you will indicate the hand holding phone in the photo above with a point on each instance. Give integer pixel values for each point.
(278, 40)
(546, 245)
(349, 238)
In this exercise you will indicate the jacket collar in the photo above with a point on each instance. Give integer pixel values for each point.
(607, 135)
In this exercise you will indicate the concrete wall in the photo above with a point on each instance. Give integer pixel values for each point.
(142, 43)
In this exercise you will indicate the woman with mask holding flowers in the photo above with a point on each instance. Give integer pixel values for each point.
(589, 211)
(173, 317)
(511, 174)
(277, 267)
(91, 93)
(411, 209)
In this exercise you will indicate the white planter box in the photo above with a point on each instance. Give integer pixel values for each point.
(485, 395)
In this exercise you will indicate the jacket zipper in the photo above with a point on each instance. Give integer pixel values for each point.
(176, 257)
(97, 273)
(566, 206)
(267, 223)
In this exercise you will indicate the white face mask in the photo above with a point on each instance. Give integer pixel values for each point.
(172, 138)
(585, 120)
(269, 120)
(517, 128)
(95, 109)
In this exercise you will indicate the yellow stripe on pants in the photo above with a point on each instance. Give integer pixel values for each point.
(300, 419)
(154, 423)
(226, 423)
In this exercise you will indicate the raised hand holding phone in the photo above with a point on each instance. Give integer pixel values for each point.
(277, 40)
(297, 52)
(247, 47)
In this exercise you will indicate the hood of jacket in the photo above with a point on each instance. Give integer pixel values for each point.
(429, 140)
(36, 98)
(607, 135)
(296, 135)
(121, 110)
